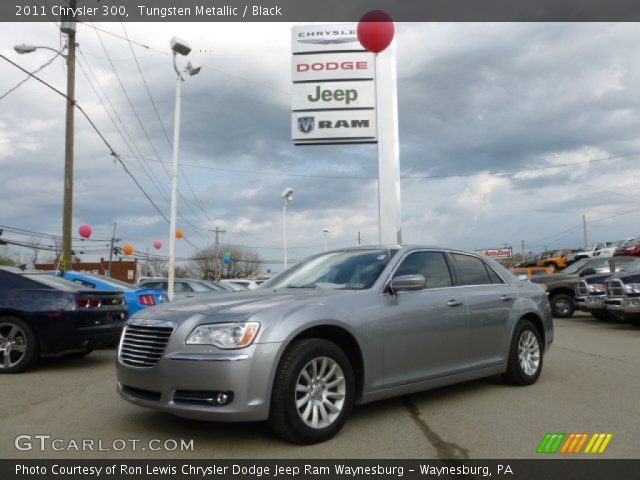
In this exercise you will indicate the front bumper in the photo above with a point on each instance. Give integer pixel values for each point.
(590, 303)
(628, 307)
(248, 373)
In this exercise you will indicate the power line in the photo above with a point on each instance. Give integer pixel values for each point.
(27, 78)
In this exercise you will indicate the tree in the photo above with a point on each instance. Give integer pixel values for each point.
(6, 259)
(207, 263)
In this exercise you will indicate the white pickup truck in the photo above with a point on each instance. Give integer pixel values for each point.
(595, 251)
(611, 248)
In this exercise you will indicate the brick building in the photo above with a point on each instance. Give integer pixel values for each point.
(125, 270)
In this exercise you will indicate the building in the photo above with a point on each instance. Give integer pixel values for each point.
(125, 270)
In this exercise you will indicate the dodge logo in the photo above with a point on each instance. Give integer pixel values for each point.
(306, 124)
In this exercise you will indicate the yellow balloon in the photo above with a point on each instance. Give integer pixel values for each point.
(179, 233)
(128, 249)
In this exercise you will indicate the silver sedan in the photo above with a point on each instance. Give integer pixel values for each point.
(341, 328)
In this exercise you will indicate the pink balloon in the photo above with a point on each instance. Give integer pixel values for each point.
(376, 30)
(85, 231)
(157, 244)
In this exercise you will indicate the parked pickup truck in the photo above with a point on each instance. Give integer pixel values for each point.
(611, 249)
(560, 286)
(623, 297)
(594, 251)
(591, 291)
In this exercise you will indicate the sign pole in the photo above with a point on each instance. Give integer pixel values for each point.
(388, 147)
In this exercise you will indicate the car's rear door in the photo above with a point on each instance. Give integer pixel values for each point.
(425, 331)
(491, 304)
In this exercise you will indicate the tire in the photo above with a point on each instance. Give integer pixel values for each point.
(19, 348)
(287, 419)
(553, 265)
(562, 305)
(78, 354)
(602, 316)
(517, 372)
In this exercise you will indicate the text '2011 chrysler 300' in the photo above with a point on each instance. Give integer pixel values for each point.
(343, 327)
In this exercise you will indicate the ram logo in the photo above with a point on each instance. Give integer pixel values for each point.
(306, 124)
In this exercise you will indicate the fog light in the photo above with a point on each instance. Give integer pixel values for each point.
(215, 398)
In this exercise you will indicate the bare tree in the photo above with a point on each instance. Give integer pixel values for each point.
(208, 263)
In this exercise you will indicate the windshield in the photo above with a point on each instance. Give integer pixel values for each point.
(52, 281)
(349, 270)
(574, 267)
(112, 282)
(635, 265)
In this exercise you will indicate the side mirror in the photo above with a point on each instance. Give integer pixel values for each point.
(587, 271)
(408, 283)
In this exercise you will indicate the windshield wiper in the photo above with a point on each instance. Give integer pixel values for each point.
(309, 285)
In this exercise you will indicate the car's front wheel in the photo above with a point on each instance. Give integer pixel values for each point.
(19, 347)
(525, 356)
(313, 392)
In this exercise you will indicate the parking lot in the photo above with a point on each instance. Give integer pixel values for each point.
(590, 383)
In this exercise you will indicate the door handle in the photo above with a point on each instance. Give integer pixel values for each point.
(454, 303)
(506, 298)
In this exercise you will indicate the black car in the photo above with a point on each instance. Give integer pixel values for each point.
(43, 314)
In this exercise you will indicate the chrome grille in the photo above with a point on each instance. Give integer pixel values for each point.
(615, 288)
(142, 345)
(582, 288)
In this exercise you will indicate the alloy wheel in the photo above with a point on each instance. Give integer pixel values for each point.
(320, 392)
(13, 345)
(529, 352)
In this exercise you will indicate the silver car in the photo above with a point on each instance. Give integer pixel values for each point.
(343, 327)
(183, 287)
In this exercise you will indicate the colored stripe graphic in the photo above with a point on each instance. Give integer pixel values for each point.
(574, 443)
(551, 442)
(598, 443)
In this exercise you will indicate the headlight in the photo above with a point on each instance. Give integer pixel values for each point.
(632, 287)
(224, 335)
(596, 288)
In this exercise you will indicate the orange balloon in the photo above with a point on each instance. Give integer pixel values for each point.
(179, 233)
(127, 249)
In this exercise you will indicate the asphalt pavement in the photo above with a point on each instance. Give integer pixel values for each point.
(590, 383)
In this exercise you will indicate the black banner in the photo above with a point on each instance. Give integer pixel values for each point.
(322, 10)
(547, 469)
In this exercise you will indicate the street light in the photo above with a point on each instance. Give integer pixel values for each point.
(325, 232)
(178, 47)
(287, 197)
(66, 257)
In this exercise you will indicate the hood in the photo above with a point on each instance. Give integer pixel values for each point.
(543, 279)
(240, 304)
(596, 277)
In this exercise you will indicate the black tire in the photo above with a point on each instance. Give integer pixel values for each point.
(515, 374)
(562, 305)
(25, 337)
(634, 321)
(284, 418)
(553, 265)
(602, 316)
(79, 353)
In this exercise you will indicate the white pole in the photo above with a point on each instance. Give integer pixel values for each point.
(388, 147)
(324, 236)
(284, 225)
(174, 191)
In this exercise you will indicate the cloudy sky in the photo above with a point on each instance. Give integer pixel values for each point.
(475, 101)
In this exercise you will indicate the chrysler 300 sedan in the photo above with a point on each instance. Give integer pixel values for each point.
(340, 328)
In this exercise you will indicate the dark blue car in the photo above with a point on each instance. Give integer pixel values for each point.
(137, 298)
(43, 314)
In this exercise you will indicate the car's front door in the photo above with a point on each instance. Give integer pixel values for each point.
(424, 331)
(490, 301)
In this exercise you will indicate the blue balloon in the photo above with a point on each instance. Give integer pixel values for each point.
(268, 270)
(227, 260)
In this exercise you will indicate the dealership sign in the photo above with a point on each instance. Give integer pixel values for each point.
(334, 86)
(497, 253)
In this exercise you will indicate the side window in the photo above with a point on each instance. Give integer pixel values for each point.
(470, 270)
(199, 287)
(600, 266)
(432, 265)
(495, 278)
(182, 287)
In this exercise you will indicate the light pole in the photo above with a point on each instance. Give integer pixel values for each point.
(287, 197)
(181, 47)
(67, 206)
(325, 232)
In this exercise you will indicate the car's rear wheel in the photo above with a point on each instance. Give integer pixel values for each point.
(19, 347)
(525, 355)
(562, 305)
(313, 392)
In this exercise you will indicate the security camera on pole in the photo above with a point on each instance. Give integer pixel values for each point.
(181, 47)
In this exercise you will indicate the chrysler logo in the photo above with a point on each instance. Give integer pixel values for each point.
(328, 41)
(306, 124)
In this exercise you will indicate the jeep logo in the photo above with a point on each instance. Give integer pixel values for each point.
(337, 95)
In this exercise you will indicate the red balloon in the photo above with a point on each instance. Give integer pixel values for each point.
(85, 231)
(376, 30)
(157, 244)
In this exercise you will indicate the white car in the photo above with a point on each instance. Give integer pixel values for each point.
(594, 251)
(242, 283)
(611, 248)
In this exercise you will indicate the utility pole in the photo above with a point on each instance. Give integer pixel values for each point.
(584, 227)
(68, 26)
(359, 239)
(113, 240)
(523, 259)
(217, 257)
